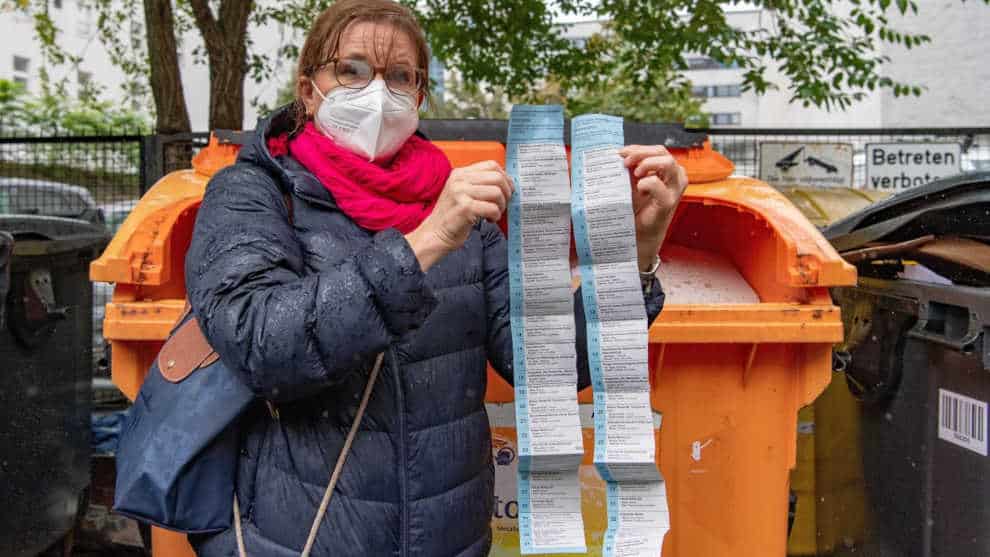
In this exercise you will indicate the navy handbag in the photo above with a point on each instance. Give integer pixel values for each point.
(178, 450)
(177, 457)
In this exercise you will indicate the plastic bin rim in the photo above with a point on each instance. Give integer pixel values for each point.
(803, 239)
(748, 323)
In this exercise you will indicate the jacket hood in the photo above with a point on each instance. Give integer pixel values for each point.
(291, 176)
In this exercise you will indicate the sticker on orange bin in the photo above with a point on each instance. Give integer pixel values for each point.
(638, 516)
(543, 334)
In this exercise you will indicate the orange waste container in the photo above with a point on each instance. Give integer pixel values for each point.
(730, 368)
(727, 378)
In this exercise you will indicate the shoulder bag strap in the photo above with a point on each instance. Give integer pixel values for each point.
(334, 476)
(288, 205)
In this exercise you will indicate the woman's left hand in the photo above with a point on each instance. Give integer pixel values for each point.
(658, 183)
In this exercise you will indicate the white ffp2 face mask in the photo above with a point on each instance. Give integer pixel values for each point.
(372, 122)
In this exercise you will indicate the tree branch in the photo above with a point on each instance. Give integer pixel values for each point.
(225, 37)
(208, 27)
(234, 20)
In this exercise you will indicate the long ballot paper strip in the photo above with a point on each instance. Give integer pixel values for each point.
(605, 234)
(543, 335)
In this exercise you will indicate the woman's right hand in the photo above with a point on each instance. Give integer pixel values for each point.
(478, 191)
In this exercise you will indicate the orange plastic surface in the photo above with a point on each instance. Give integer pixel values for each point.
(216, 155)
(703, 165)
(463, 153)
(729, 377)
(741, 407)
(746, 211)
(166, 543)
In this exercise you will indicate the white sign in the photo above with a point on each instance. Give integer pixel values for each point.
(898, 166)
(806, 164)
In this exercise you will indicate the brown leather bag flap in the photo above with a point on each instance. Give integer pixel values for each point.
(185, 351)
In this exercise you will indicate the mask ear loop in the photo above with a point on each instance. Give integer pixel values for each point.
(317, 89)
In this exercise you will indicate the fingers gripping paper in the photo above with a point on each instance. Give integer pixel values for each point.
(542, 316)
(605, 234)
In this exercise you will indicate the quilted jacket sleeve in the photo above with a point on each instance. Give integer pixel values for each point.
(292, 334)
(497, 297)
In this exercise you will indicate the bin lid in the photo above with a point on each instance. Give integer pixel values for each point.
(807, 259)
(824, 206)
(49, 228)
(929, 209)
(140, 250)
(691, 148)
(44, 235)
(670, 135)
(945, 225)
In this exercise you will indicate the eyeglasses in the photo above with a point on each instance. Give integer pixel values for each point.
(355, 73)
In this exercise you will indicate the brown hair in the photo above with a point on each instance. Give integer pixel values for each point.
(323, 40)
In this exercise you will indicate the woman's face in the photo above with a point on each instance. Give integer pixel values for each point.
(381, 45)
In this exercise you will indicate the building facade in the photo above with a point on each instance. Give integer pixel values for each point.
(952, 69)
(21, 60)
(20, 52)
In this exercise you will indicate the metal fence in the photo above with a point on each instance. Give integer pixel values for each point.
(100, 178)
(163, 154)
(97, 179)
(742, 145)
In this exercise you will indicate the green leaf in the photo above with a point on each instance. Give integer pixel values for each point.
(635, 66)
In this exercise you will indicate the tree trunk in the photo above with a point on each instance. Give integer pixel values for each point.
(227, 72)
(225, 38)
(166, 81)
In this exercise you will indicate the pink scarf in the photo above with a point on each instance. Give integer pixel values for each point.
(400, 195)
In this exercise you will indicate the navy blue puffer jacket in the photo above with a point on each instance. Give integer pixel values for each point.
(302, 307)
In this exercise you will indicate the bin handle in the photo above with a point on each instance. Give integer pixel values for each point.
(932, 330)
(35, 313)
(841, 360)
(965, 344)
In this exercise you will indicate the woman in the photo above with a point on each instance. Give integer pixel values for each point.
(381, 248)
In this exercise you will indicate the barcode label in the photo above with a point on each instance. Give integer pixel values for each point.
(962, 421)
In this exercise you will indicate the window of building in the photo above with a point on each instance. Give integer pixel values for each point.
(705, 91)
(21, 64)
(703, 63)
(57, 4)
(22, 80)
(706, 63)
(728, 91)
(84, 78)
(726, 119)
